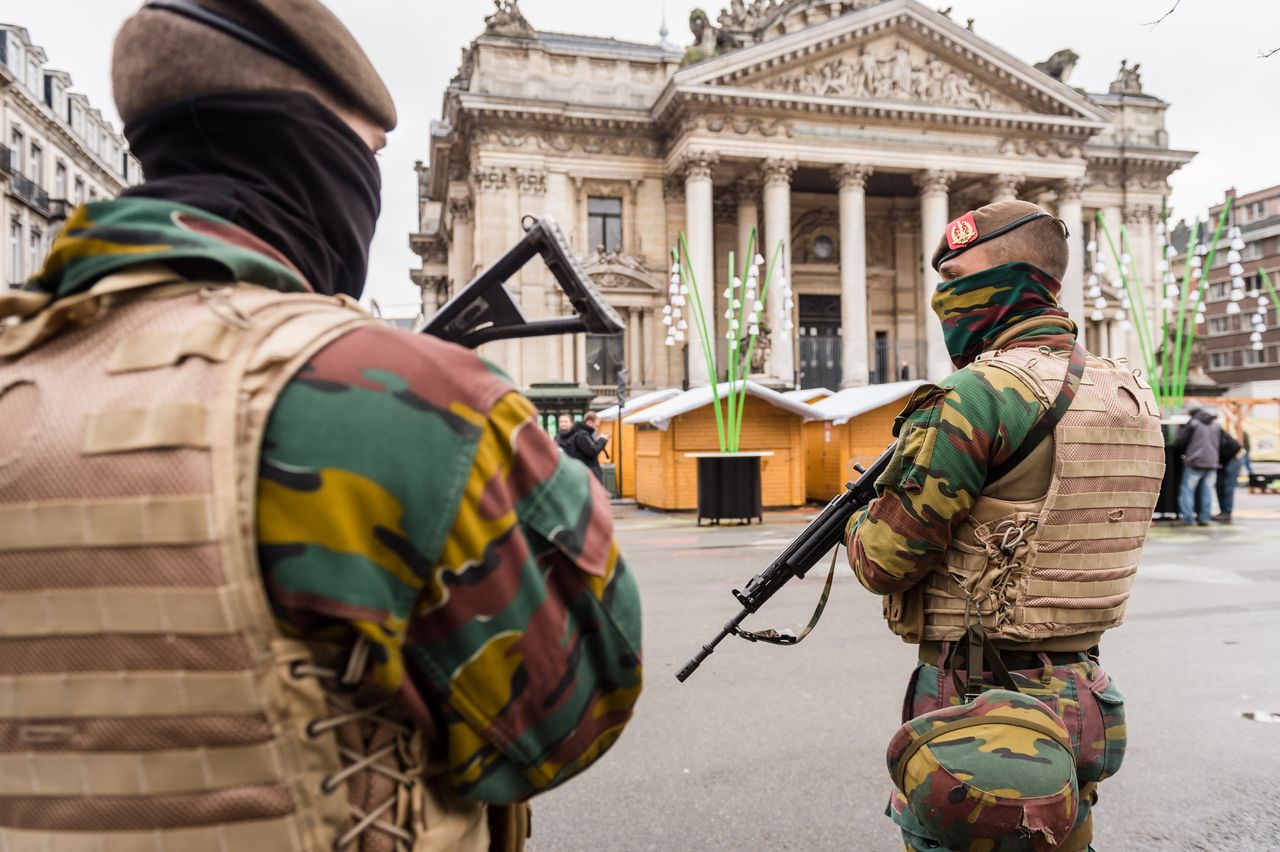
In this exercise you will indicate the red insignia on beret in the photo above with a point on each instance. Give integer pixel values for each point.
(961, 232)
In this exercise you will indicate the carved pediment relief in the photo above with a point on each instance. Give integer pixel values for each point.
(618, 271)
(847, 58)
(889, 69)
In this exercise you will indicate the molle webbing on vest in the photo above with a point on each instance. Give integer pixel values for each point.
(147, 700)
(1041, 572)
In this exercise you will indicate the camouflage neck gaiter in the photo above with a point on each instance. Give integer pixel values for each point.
(104, 237)
(976, 309)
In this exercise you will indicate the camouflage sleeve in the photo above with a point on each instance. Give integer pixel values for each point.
(948, 437)
(407, 493)
(550, 663)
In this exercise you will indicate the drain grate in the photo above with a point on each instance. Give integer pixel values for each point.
(1260, 716)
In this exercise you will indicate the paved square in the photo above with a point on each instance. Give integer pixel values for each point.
(783, 748)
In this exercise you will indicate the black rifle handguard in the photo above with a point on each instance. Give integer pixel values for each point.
(823, 533)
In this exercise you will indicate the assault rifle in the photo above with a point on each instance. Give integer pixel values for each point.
(483, 311)
(823, 533)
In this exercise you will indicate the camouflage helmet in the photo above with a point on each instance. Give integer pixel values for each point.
(997, 774)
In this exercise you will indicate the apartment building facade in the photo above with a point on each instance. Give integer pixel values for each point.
(56, 152)
(1241, 332)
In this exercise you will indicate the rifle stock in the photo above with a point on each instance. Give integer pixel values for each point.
(823, 533)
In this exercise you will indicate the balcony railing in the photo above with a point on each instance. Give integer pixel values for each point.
(59, 209)
(29, 192)
(6, 160)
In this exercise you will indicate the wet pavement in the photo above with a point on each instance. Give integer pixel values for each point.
(783, 748)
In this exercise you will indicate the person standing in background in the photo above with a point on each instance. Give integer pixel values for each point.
(1198, 442)
(584, 443)
(563, 424)
(1231, 456)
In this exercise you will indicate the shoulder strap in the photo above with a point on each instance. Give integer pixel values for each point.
(1044, 427)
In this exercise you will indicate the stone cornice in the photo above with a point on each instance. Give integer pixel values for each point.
(695, 99)
(1166, 160)
(937, 33)
(488, 108)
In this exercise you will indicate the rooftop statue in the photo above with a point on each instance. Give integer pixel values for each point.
(1060, 65)
(1128, 81)
(507, 20)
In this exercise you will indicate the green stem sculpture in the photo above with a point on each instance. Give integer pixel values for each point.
(1183, 363)
(729, 416)
(700, 324)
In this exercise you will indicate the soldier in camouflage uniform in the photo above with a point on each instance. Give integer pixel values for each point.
(991, 516)
(275, 575)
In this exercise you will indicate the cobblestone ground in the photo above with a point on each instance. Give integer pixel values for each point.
(783, 748)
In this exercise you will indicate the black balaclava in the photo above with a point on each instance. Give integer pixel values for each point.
(278, 164)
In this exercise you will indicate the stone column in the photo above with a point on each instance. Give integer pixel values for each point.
(1071, 211)
(647, 366)
(699, 231)
(634, 345)
(462, 243)
(1116, 347)
(497, 218)
(777, 227)
(933, 186)
(748, 219)
(1005, 187)
(568, 357)
(852, 179)
(1138, 224)
(630, 220)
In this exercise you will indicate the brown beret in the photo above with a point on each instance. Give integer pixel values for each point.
(985, 223)
(174, 49)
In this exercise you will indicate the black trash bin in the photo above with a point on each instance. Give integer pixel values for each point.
(729, 487)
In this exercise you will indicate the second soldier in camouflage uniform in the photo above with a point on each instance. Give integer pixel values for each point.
(971, 525)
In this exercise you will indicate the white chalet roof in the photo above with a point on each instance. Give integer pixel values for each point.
(663, 413)
(850, 402)
(643, 401)
(806, 394)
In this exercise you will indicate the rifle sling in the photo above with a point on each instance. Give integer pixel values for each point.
(790, 637)
(1048, 421)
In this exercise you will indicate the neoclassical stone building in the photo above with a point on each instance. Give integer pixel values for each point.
(849, 131)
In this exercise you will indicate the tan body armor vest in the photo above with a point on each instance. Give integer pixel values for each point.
(1048, 554)
(147, 699)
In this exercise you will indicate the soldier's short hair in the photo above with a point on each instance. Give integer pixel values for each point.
(1040, 241)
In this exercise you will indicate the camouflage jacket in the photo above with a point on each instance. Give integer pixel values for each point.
(407, 493)
(952, 433)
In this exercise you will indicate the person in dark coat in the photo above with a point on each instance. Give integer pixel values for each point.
(1198, 442)
(1231, 457)
(584, 442)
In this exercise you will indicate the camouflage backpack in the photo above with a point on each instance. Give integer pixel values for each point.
(996, 774)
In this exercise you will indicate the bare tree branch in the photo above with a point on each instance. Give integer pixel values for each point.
(1156, 22)
(1267, 54)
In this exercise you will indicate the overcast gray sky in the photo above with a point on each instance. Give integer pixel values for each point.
(1203, 59)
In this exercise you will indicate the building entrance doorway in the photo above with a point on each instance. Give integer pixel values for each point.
(819, 332)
